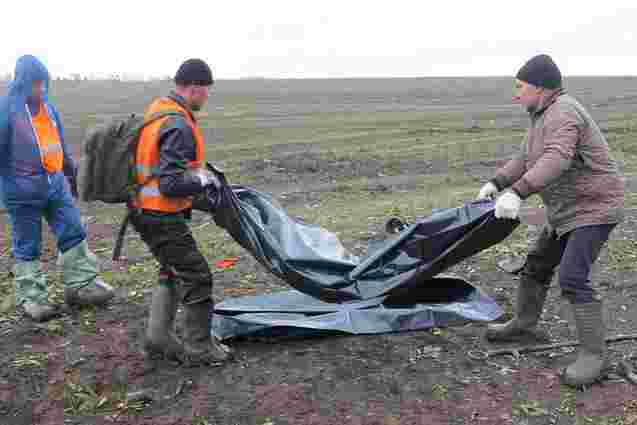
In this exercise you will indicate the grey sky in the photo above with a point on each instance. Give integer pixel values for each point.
(328, 38)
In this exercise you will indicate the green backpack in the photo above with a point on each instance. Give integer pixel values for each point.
(108, 171)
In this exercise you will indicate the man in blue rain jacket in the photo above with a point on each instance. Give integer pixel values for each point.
(37, 176)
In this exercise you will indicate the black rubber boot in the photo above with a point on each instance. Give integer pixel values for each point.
(529, 304)
(161, 341)
(591, 360)
(199, 345)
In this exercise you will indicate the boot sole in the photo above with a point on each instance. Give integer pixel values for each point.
(192, 360)
(183, 359)
(155, 352)
(522, 336)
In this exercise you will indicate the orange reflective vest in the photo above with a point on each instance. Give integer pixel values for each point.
(150, 197)
(48, 137)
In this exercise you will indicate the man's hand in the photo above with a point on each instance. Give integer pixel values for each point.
(489, 190)
(206, 178)
(508, 205)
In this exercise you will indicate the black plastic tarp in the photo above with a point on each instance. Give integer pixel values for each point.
(393, 287)
(439, 302)
(313, 261)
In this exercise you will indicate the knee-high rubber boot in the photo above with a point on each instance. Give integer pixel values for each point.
(199, 345)
(529, 303)
(591, 359)
(161, 341)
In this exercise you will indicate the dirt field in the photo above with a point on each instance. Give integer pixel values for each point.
(344, 154)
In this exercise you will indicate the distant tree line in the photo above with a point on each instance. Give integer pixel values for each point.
(97, 77)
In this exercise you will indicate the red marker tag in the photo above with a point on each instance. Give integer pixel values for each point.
(227, 263)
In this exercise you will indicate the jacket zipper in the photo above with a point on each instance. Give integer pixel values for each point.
(37, 139)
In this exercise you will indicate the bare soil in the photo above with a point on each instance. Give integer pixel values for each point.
(423, 378)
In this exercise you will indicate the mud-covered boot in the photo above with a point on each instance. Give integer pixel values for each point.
(161, 341)
(591, 360)
(529, 303)
(199, 345)
(82, 285)
(97, 292)
(31, 291)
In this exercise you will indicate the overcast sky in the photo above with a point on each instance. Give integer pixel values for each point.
(322, 38)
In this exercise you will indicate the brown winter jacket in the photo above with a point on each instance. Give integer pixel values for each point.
(566, 160)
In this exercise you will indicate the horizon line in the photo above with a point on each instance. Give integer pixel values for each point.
(124, 78)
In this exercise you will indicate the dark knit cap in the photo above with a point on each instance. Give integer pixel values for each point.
(541, 71)
(194, 72)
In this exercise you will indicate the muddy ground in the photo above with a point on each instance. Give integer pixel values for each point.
(424, 378)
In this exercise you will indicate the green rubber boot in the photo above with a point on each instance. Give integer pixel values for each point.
(529, 303)
(199, 345)
(161, 341)
(591, 360)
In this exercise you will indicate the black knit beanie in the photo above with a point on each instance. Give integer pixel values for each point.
(541, 71)
(194, 72)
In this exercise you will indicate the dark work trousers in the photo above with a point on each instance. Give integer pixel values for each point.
(169, 238)
(575, 253)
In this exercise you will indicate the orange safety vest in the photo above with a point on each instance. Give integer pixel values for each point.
(150, 197)
(48, 137)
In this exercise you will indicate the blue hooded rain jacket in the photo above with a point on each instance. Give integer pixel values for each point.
(28, 191)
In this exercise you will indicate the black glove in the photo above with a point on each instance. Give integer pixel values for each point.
(207, 200)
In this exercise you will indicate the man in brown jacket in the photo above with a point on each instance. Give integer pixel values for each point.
(566, 161)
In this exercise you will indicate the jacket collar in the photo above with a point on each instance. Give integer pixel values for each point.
(547, 102)
(182, 102)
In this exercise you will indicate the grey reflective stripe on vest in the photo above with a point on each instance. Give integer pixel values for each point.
(147, 171)
(51, 149)
(150, 191)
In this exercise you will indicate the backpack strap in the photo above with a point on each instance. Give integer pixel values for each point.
(119, 243)
(136, 187)
(157, 116)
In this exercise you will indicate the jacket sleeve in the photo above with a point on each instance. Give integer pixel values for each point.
(4, 132)
(69, 167)
(177, 147)
(560, 143)
(512, 170)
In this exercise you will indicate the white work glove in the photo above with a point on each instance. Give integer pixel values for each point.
(206, 178)
(489, 190)
(508, 205)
